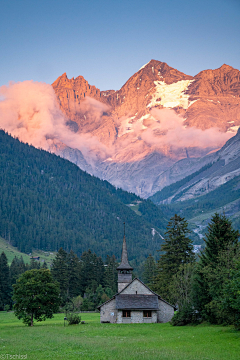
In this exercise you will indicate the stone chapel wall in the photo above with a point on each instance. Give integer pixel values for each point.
(136, 285)
(165, 312)
(108, 312)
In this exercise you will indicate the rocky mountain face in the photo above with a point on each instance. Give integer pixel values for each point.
(216, 169)
(212, 185)
(156, 129)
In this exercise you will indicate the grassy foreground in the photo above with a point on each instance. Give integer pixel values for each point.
(51, 340)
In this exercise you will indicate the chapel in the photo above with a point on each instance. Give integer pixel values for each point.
(134, 302)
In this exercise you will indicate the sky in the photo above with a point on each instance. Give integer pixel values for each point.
(108, 41)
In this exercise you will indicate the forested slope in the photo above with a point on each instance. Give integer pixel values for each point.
(198, 211)
(47, 202)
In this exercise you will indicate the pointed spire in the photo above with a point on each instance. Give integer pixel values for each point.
(124, 262)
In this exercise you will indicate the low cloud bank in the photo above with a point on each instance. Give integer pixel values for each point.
(29, 111)
(169, 129)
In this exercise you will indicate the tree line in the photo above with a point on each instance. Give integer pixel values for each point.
(84, 282)
(10, 274)
(204, 287)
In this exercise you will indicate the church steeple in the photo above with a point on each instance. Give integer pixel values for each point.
(124, 262)
(124, 269)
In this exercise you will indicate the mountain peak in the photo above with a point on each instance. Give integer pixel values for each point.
(226, 67)
(61, 79)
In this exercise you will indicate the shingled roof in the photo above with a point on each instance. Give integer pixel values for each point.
(124, 263)
(115, 296)
(136, 302)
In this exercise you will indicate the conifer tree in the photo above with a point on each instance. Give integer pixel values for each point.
(5, 286)
(111, 274)
(150, 271)
(99, 271)
(17, 267)
(177, 250)
(44, 265)
(214, 267)
(60, 272)
(88, 271)
(34, 264)
(74, 269)
(231, 296)
(219, 237)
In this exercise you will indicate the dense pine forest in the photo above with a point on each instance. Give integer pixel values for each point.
(84, 282)
(203, 287)
(47, 202)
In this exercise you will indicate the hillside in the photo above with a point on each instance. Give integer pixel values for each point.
(214, 187)
(213, 171)
(47, 202)
(198, 210)
(11, 251)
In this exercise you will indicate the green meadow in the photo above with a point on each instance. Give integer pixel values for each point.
(11, 251)
(51, 340)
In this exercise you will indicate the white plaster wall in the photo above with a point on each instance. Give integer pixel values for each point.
(136, 285)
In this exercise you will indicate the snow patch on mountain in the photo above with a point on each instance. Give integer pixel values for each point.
(132, 124)
(172, 95)
(143, 66)
(126, 126)
(233, 129)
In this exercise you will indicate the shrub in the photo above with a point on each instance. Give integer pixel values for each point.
(7, 307)
(187, 315)
(73, 318)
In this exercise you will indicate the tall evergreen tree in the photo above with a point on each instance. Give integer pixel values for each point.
(231, 296)
(214, 267)
(44, 265)
(150, 271)
(74, 269)
(60, 273)
(17, 267)
(219, 237)
(111, 274)
(5, 285)
(89, 271)
(177, 250)
(34, 264)
(99, 271)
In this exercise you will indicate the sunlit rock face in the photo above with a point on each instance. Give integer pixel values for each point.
(159, 117)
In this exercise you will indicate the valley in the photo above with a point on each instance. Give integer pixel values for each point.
(164, 135)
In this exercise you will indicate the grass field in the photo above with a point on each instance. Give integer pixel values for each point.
(51, 340)
(11, 252)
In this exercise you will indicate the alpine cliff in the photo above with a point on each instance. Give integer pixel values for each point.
(157, 129)
(158, 117)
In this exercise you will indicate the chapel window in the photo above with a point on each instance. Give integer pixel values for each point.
(147, 313)
(126, 313)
